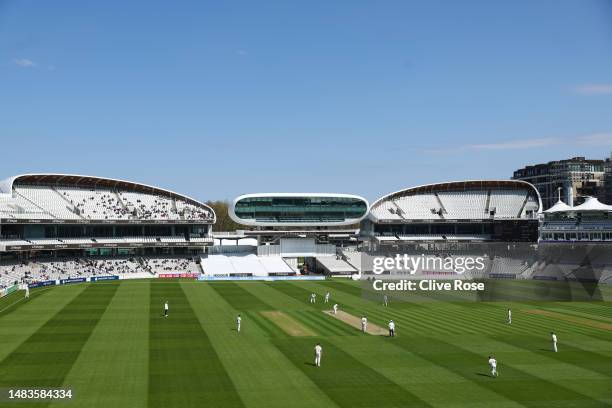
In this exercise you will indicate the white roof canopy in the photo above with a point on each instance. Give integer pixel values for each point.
(590, 204)
(559, 206)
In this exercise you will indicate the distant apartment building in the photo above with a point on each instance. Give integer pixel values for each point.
(574, 179)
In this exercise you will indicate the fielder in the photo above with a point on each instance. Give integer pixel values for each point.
(318, 352)
(27, 291)
(391, 328)
(313, 298)
(326, 297)
(509, 316)
(166, 309)
(385, 300)
(493, 365)
(238, 321)
(364, 324)
(554, 341)
(335, 308)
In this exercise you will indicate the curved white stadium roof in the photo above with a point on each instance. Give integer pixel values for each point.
(451, 187)
(84, 181)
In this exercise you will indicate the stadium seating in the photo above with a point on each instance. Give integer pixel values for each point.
(72, 203)
(422, 206)
(505, 265)
(461, 202)
(170, 265)
(66, 268)
(19, 207)
(44, 197)
(387, 210)
(464, 204)
(507, 203)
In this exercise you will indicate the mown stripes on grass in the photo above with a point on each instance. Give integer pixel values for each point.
(579, 313)
(349, 289)
(269, 328)
(532, 323)
(239, 298)
(15, 300)
(344, 379)
(515, 384)
(184, 369)
(116, 355)
(569, 354)
(300, 294)
(47, 356)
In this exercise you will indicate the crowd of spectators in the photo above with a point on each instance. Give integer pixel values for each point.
(21, 272)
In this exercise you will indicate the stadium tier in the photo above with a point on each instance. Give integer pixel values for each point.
(479, 210)
(49, 216)
(41, 270)
(54, 197)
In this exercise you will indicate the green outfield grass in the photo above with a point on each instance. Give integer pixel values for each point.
(111, 345)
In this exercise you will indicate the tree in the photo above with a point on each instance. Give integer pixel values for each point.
(224, 222)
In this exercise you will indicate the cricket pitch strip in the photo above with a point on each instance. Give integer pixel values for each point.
(355, 321)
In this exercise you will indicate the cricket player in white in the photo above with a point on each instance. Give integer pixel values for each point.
(335, 308)
(391, 328)
(326, 297)
(385, 300)
(318, 352)
(554, 341)
(27, 291)
(238, 321)
(313, 298)
(509, 316)
(493, 365)
(364, 324)
(166, 309)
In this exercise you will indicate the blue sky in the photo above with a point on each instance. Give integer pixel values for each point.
(216, 99)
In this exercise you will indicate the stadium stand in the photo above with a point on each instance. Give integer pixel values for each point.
(52, 197)
(43, 270)
(478, 210)
(335, 265)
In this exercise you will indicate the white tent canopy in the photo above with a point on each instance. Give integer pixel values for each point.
(559, 206)
(590, 204)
